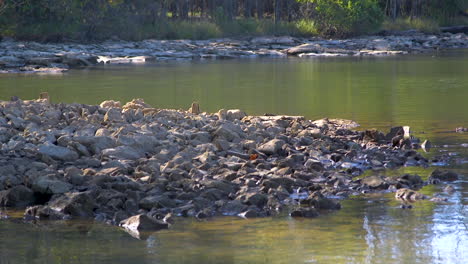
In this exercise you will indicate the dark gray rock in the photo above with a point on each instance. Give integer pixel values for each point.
(304, 212)
(143, 222)
(78, 204)
(58, 153)
(443, 175)
(18, 196)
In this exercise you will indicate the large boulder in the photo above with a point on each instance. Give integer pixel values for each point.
(18, 196)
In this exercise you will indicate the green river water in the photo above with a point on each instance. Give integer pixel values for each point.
(427, 92)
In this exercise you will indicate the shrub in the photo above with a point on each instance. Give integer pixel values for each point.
(342, 18)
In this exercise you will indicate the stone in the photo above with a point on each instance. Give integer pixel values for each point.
(443, 175)
(249, 214)
(136, 104)
(78, 204)
(18, 196)
(320, 202)
(235, 114)
(405, 194)
(46, 185)
(142, 222)
(272, 147)
(57, 152)
(257, 199)
(111, 104)
(113, 115)
(304, 212)
(194, 108)
(426, 145)
(375, 182)
(123, 152)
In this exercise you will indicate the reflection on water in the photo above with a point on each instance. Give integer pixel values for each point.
(428, 93)
(371, 229)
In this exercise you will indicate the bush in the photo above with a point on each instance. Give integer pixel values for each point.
(342, 18)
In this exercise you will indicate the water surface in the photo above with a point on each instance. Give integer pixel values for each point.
(427, 92)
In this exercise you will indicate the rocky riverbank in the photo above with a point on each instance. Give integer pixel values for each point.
(30, 57)
(135, 164)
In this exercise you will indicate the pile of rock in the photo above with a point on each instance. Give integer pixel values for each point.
(112, 162)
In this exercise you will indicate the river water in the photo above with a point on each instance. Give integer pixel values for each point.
(427, 92)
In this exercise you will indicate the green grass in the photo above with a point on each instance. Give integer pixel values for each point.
(166, 29)
(422, 24)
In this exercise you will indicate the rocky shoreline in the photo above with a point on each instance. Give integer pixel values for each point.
(33, 57)
(138, 166)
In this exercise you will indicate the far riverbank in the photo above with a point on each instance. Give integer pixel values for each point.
(33, 57)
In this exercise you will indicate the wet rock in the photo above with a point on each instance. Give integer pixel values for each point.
(426, 145)
(18, 196)
(405, 194)
(320, 202)
(413, 181)
(449, 189)
(77, 204)
(257, 199)
(42, 212)
(234, 207)
(375, 182)
(143, 222)
(443, 175)
(249, 214)
(304, 212)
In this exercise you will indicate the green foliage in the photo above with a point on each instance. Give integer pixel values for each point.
(346, 17)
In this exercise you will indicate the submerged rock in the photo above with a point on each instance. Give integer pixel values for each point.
(443, 175)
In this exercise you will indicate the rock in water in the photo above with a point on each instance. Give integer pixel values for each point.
(405, 194)
(443, 175)
(143, 222)
(426, 145)
(305, 212)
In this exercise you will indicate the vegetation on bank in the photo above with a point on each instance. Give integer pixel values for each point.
(57, 20)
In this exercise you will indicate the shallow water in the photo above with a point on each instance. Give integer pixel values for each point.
(427, 92)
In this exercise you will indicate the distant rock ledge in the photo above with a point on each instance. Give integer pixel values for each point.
(33, 57)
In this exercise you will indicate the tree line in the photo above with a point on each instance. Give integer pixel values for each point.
(90, 18)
